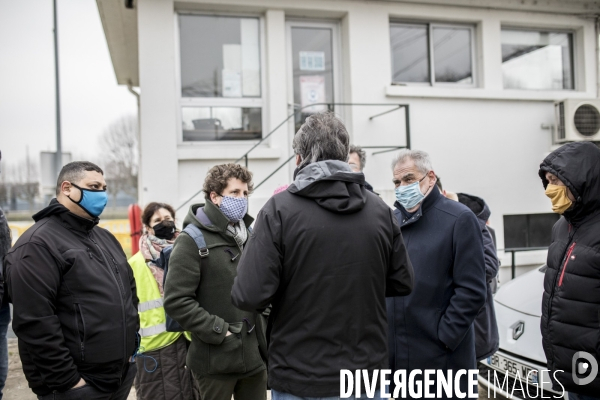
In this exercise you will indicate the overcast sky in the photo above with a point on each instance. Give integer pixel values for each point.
(90, 96)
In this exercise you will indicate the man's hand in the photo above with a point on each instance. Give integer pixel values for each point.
(228, 333)
(79, 384)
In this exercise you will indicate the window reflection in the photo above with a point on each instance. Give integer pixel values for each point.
(221, 123)
(537, 60)
(452, 55)
(220, 56)
(410, 53)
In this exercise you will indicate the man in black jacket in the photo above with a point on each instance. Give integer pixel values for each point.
(571, 304)
(324, 253)
(73, 294)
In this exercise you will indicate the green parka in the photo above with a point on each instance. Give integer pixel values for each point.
(198, 296)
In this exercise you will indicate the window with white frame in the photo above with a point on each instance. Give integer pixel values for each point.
(221, 95)
(535, 59)
(432, 53)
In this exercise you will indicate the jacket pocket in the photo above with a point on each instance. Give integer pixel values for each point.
(228, 357)
(80, 325)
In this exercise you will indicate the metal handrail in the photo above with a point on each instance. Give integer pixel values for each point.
(513, 250)
(329, 105)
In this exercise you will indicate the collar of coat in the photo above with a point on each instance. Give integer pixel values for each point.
(66, 218)
(434, 196)
(218, 220)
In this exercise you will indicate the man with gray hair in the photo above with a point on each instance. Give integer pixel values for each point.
(432, 328)
(324, 253)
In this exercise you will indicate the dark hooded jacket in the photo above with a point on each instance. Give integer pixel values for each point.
(74, 303)
(571, 303)
(487, 340)
(198, 297)
(432, 328)
(324, 253)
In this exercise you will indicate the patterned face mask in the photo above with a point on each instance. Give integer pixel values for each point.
(234, 208)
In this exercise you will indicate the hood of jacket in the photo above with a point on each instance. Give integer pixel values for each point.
(577, 165)
(332, 185)
(66, 216)
(475, 204)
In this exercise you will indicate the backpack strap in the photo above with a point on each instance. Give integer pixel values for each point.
(195, 233)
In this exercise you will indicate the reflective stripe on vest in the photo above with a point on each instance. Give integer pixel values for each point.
(150, 309)
(150, 305)
(153, 330)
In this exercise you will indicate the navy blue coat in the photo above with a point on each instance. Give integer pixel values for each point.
(432, 328)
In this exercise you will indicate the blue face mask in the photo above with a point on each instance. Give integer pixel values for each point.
(91, 201)
(234, 208)
(410, 196)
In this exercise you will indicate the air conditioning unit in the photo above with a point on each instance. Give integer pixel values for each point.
(577, 120)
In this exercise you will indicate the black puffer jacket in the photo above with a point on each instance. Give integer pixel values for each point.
(74, 303)
(571, 303)
(324, 253)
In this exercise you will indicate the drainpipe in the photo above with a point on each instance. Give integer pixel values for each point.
(139, 137)
(137, 98)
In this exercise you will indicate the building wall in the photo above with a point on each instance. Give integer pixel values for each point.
(485, 140)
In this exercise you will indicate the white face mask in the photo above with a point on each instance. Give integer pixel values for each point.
(410, 196)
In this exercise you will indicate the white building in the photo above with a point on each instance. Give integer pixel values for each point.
(480, 78)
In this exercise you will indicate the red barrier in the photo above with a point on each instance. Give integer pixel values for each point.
(135, 227)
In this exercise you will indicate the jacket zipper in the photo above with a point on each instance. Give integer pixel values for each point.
(118, 276)
(81, 340)
(120, 285)
(562, 274)
(571, 235)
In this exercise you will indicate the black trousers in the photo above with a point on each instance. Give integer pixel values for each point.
(91, 393)
(253, 387)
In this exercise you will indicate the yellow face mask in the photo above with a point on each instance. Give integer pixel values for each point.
(559, 197)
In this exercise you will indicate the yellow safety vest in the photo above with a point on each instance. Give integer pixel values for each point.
(153, 329)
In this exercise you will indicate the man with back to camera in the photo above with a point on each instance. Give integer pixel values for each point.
(432, 328)
(571, 304)
(325, 253)
(73, 294)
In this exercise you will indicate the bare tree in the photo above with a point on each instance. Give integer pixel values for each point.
(22, 181)
(119, 145)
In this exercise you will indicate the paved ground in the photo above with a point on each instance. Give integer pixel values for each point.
(17, 389)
